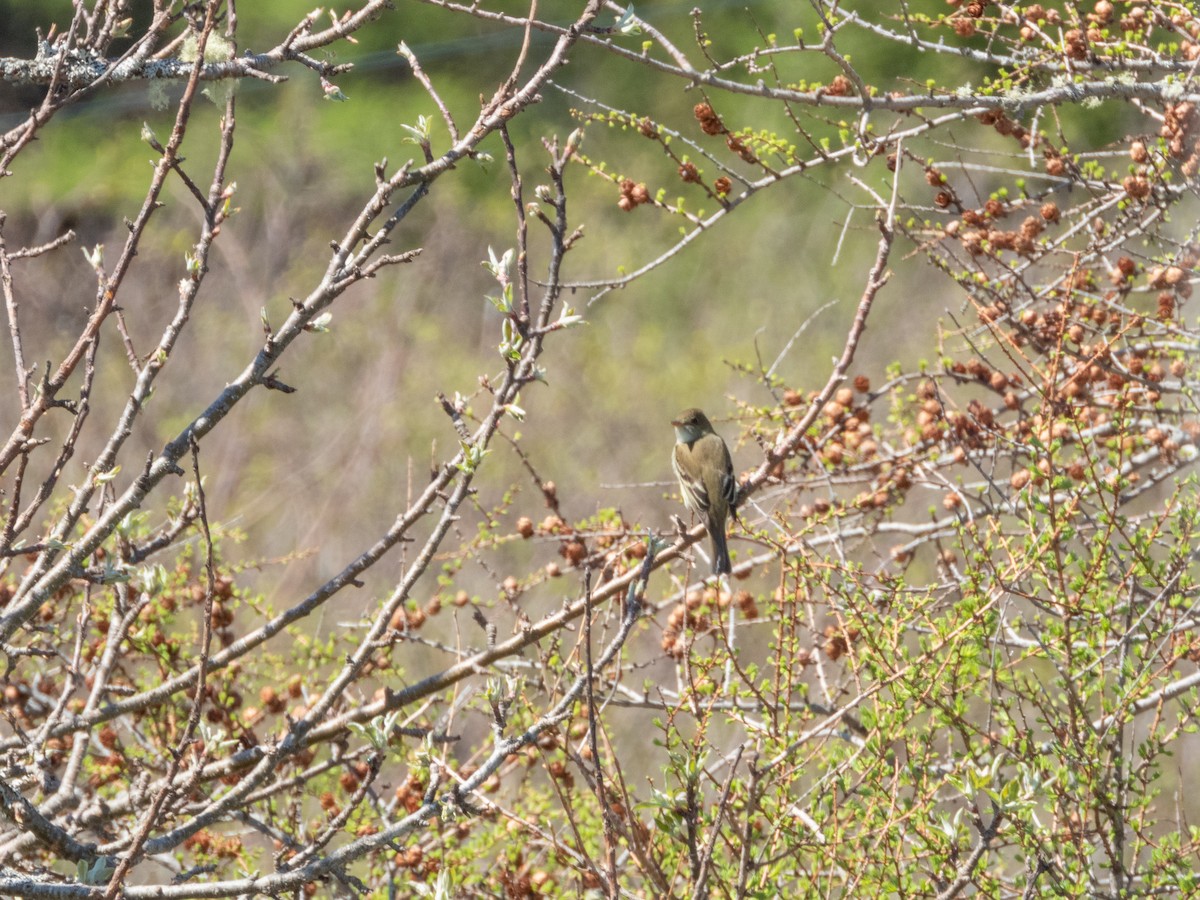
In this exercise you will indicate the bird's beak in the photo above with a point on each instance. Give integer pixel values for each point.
(676, 423)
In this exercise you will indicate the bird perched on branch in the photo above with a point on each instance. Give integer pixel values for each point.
(705, 472)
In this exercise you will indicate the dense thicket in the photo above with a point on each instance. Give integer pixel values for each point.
(320, 574)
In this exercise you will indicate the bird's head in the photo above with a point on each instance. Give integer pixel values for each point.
(691, 425)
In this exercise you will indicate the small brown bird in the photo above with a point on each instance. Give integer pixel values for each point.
(705, 472)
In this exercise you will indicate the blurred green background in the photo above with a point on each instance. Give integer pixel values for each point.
(329, 467)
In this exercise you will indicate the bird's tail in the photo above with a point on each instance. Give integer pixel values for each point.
(720, 549)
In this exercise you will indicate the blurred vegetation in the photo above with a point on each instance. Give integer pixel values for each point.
(735, 305)
(860, 668)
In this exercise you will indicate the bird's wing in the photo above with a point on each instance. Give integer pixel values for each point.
(729, 482)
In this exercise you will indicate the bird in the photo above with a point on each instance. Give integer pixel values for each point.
(705, 471)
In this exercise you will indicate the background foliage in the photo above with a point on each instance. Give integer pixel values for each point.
(324, 575)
